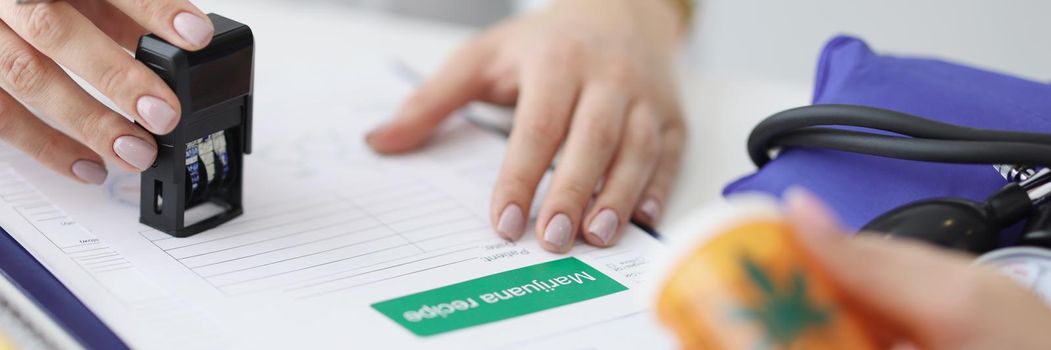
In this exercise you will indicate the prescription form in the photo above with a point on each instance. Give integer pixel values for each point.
(338, 247)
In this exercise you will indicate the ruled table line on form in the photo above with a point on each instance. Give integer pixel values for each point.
(333, 242)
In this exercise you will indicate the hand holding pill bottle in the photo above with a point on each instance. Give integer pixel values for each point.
(757, 275)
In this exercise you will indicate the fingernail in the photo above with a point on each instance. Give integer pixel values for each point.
(809, 214)
(604, 225)
(195, 30)
(512, 222)
(89, 171)
(796, 197)
(558, 231)
(157, 113)
(370, 137)
(140, 154)
(651, 209)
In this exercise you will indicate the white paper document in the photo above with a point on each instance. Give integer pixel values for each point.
(330, 231)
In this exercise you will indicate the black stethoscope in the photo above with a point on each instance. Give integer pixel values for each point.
(954, 223)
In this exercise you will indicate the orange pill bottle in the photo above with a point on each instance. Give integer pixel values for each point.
(738, 279)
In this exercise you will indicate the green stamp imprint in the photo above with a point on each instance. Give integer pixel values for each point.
(499, 297)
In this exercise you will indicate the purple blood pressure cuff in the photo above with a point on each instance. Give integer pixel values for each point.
(860, 187)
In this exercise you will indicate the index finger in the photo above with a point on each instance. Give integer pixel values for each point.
(177, 21)
(894, 279)
(459, 81)
(63, 34)
(540, 124)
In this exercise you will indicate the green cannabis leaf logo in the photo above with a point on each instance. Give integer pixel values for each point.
(785, 312)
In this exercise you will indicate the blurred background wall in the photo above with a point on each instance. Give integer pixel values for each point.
(475, 13)
(779, 39)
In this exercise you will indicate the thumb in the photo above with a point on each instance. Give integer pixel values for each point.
(457, 83)
(918, 289)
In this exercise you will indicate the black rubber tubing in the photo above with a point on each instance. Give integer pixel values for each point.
(927, 140)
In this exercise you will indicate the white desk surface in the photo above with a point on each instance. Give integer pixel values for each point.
(292, 37)
(721, 110)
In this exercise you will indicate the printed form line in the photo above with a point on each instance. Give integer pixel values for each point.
(364, 235)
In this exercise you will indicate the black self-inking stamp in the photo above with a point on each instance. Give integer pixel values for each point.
(200, 163)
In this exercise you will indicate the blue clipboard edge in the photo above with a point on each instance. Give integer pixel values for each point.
(53, 298)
